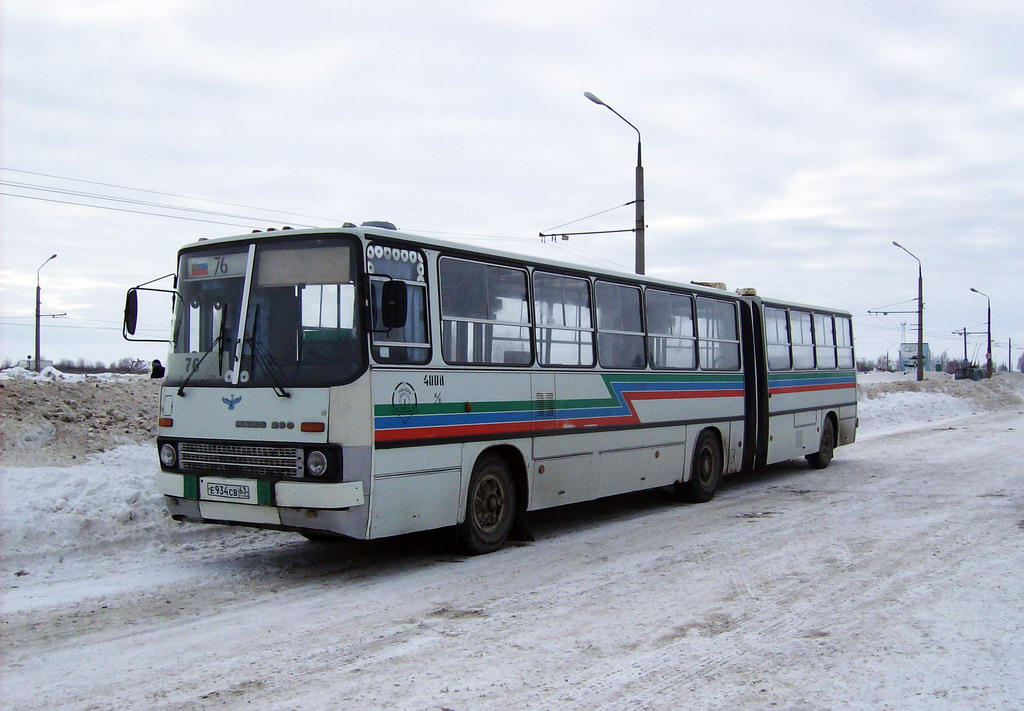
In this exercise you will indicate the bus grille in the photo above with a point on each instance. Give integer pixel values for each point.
(240, 460)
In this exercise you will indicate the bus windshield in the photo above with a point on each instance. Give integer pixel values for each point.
(273, 313)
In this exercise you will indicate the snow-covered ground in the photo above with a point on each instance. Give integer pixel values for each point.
(890, 580)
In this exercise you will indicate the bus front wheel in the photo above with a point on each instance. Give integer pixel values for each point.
(490, 507)
(705, 471)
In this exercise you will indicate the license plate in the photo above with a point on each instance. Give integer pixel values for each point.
(238, 491)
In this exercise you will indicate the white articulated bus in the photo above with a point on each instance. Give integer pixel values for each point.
(363, 382)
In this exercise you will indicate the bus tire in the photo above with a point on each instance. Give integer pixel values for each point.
(822, 458)
(490, 507)
(705, 470)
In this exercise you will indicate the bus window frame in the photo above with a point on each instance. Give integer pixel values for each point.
(808, 346)
(787, 344)
(642, 333)
(819, 347)
(650, 334)
(537, 326)
(372, 243)
(737, 342)
(844, 348)
(528, 325)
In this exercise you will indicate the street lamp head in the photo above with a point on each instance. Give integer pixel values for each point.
(897, 244)
(593, 98)
(48, 259)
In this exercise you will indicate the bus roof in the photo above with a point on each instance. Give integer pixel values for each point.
(376, 231)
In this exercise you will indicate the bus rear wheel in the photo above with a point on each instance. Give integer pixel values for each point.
(822, 458)
(705, 471)
(490, 507)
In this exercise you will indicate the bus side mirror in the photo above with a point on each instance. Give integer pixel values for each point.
(394, 304)
(131, 312)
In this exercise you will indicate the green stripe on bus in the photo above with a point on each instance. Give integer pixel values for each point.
(191, 486)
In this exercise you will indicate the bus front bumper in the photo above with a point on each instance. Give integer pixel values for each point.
(252, 493)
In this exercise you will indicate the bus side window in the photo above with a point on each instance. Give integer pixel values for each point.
(844, 341)
(803, 345)
(671, 341)
(776, 335)
(410, 343)
(824, 341)
(719, 343)
(565, 321)
(485, 314)
(620, 333)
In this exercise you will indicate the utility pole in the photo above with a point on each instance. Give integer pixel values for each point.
(39, 302)
(920, 311)
(988, 354)
(638, 186)
(965, 333)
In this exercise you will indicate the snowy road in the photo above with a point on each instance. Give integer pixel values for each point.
(891, 580)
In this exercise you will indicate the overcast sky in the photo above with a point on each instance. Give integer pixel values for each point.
(785, 145)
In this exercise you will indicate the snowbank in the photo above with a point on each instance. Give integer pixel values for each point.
(56, 419)
(107, 500)
(52, 374)
(889, 402)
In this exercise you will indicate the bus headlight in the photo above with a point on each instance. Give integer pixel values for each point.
(168, 455)
(316, 463)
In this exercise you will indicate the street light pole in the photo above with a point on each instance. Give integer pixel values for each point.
(38, 305)
(639, 200)
(920, 312)
(988, 354)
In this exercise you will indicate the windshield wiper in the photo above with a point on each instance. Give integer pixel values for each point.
(219, 345)
(266, 361)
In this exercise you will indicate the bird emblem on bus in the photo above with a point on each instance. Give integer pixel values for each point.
(231, 401)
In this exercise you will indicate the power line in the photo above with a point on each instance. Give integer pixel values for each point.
(260, 220)
(471, 235)
(135, 212)
(581, 219)
(177, 195)
(55, 325)
(129, 201)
